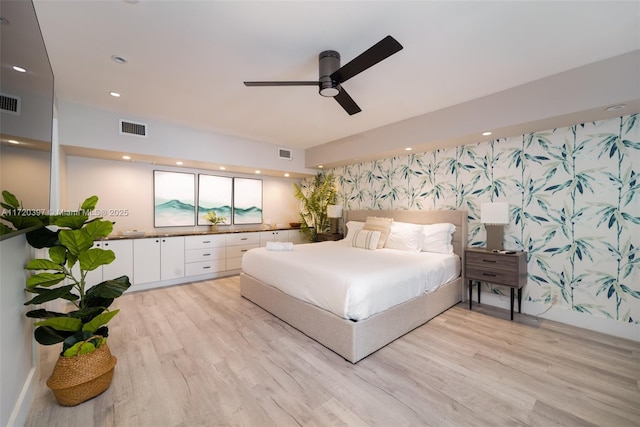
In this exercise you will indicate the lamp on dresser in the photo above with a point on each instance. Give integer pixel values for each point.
(334, 212)
(494, 216)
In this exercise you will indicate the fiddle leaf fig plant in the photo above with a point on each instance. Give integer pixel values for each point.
(63, 275)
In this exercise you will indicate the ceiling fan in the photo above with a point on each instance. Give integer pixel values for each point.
(332, 75)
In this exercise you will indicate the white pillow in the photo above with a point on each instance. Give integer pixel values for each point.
(354, 225)
(383, 225)
(363, 239)
(405, 236)
(437, 238)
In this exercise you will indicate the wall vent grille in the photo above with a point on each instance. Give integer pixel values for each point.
(10, 104)
(285, 153)
(131, 128)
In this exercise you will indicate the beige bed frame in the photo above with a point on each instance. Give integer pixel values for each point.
(356, 340)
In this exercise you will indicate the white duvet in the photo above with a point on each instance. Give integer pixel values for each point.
(350, 282)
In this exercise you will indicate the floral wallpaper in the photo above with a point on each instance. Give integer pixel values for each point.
(574, 198)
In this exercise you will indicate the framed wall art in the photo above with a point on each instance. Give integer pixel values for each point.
(214, 194)
(174, 196)
(247, 201)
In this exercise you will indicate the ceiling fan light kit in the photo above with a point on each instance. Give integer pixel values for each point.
(331, 75)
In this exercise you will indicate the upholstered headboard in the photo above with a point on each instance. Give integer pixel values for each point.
(455, 217)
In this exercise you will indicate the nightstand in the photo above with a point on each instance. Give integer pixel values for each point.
(483, 265)
(326, 237)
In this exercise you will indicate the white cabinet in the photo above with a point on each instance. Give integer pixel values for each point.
(237, 244)
(171, 258)
(158, 258)
(204, 254)
(146, 260)
(296, 236)
(123, 264)
(273, 236)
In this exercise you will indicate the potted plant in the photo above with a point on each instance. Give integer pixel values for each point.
(85, 366)
(214, 219)
(315, 198)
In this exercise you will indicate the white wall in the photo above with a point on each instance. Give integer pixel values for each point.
(124, 185)
(17, 365)
(25, 173)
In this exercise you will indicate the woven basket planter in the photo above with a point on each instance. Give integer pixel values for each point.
(79, 378)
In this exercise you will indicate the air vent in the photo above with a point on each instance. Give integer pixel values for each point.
(285, 153)
(10, 104)
(130, 128)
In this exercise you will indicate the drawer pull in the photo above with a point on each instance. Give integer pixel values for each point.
(492, 261)
(244, 238)
(206, 241)
(206, 254)
(489, 274)
(244, 250)
(204, 268)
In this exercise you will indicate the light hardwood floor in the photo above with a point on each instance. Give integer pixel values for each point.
(201, 355)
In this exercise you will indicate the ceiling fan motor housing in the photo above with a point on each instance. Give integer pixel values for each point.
(329, 62)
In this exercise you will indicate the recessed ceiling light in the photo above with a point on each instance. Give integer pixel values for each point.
(486, 133)
(13, 141)
(118, 59)
(114, 94)
(222, 168)
(126, 157)
(320, 166)
(287, 175)
(258, 172)
(19, 69)
(408, 149)
(178, 163)
(616, 107)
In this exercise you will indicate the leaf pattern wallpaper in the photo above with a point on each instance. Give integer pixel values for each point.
(574, 198)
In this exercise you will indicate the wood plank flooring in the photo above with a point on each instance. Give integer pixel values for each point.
(201, 355)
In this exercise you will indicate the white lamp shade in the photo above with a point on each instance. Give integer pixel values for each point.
(494, 213)
(334, 211)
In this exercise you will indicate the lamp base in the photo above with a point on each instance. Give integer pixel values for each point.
(334, 225)
(495, 237)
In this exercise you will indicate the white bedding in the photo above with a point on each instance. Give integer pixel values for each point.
(350, 282)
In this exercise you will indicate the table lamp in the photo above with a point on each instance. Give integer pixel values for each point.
(494, 216)
(334, 212)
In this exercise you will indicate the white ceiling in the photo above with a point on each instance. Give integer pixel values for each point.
(187, 60)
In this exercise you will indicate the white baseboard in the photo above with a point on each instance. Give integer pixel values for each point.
(630, 331)
(23, 404)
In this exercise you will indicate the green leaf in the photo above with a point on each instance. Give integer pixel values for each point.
(10, 199)
(43, 238)
(110, 288)
(45, 295)
(43, 264)
(72, 220)
(58, 254)
(99, 320)
(98, 229)
(90, 203)
(62, 324)
(41, 313)
(46, 335)
(45, 279)
(75, 241)
(95, 257)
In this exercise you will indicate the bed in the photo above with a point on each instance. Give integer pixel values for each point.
(355, 336)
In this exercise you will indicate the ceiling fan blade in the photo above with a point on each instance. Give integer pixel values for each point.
(370, 57)
(347, 102)
(298, 83)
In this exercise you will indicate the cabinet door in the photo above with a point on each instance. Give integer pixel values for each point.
(297, 236)
(123, 264)
(146, 260)
(273, 236)
(171, 258)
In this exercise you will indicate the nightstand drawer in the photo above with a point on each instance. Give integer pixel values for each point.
(491, 260)
(498, 276)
